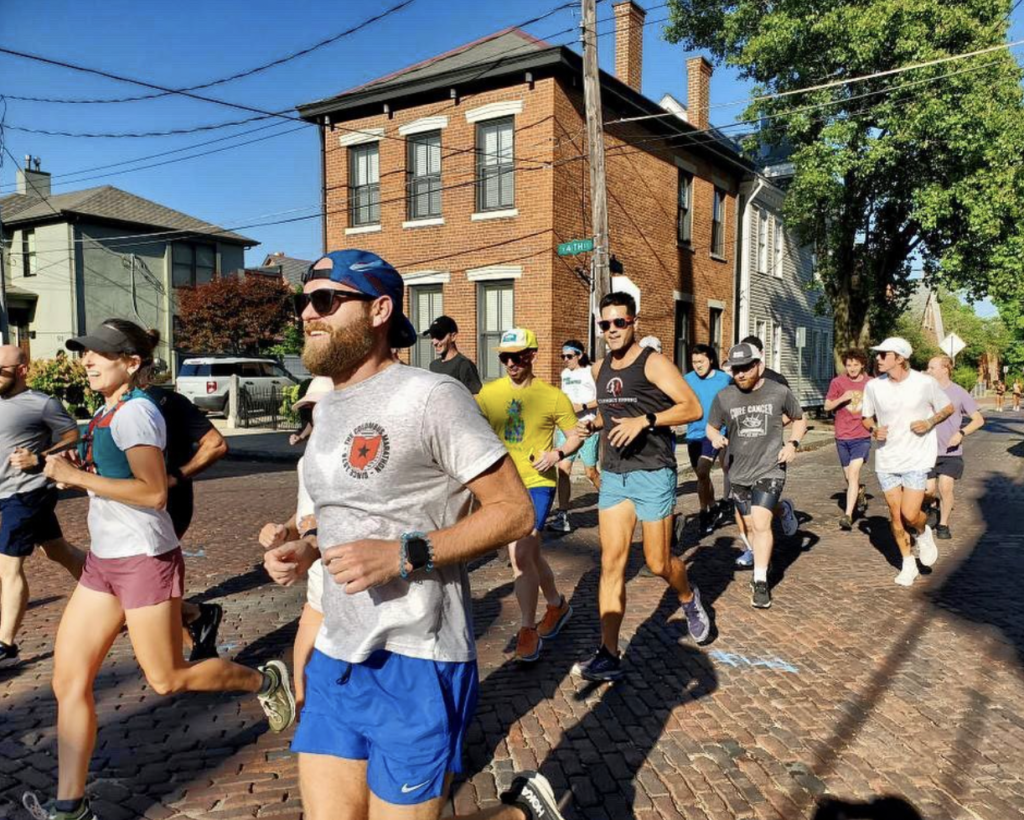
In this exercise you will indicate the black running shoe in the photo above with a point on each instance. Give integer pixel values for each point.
(204, 632)
(933, 516)
(8, 654)
(760, 595)
(603, 666)
(846, 523)
(942, 532)
(532, 793)
(706, 520)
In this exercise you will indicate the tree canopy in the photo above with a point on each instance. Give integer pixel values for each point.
(234, 315)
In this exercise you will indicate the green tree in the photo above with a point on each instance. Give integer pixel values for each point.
(923, 165)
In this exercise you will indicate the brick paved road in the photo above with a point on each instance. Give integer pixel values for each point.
(848, 686)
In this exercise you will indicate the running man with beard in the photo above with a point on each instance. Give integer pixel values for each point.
(901, 409)
(396, 458)
(853, 443)
(641, 397)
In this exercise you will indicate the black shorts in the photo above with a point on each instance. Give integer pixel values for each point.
(764, 493)
(953, 466)
(180, 506)
(27, 519)
(698, 449)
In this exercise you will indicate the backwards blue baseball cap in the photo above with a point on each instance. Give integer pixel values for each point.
(368, 273)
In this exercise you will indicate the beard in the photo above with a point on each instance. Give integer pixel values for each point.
(7, 385)
(346, 348)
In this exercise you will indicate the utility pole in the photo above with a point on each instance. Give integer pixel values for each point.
(4, 329)
(600, 277)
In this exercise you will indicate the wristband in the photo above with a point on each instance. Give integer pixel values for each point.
(561, 455)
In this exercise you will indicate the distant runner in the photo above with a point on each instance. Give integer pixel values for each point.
(853, 443)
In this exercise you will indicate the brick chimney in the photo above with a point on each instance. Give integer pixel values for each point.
(698, 91)
(629, 42)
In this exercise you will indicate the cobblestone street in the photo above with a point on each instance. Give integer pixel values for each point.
(848, 686)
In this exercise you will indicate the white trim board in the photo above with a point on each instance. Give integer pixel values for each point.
(422, 125)
(427, 277)
(492, 111)
(360, 137)
(494, 272)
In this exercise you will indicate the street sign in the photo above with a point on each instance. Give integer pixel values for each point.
(801, 338)
(576, 246)
(952, 345)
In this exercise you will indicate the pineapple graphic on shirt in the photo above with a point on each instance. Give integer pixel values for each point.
(515, 426)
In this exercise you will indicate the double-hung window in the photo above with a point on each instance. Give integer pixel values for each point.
(762, 241)
(495, 168)
(364, 185)
(778, 245)
(495, 315)
(685, 208)
(192, 265)
(424, 176)
(28, 252)
(718, 224)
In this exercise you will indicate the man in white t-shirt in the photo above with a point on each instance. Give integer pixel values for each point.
(902, 408)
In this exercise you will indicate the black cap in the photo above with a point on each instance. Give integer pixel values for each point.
(441, 327)
(103, 339)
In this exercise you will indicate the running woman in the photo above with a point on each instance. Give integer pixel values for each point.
(1017, 389)
(754, 412)
(578, 385)
(949, 466)
(525, 412)
(1000, 388)
(641, 396)
(396, 457)
(134, 571)
(706, 381)
(32, 425)
(853, 443)
(902, 408)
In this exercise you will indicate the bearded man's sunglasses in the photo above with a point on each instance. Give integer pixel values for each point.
(618, 322)
(326, 301)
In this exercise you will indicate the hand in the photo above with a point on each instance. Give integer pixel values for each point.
(625, 431)
(848, 396)
(955, 440)
(172, 480)
(61, 471)
(921, 427)
(719, 442)
(881, 432)
(585, 429)
(294, 439)
(288, 563)
(273, 535)
(23, 459)
(786, 453)
(361, 565)
(307, 523)
(547, 460)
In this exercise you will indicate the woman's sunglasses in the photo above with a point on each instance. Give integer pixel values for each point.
(619, 322)
(568, 356)
(326, 301)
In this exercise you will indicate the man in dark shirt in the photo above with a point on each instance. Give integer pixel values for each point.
(449, 362)
(769, 374)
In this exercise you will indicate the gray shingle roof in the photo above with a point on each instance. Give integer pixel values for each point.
(110, 204)
(291, 268)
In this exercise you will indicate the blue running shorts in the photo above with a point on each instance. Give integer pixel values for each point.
(653, 492)
(543, 498)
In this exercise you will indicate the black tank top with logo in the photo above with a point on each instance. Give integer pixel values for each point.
(628, 393)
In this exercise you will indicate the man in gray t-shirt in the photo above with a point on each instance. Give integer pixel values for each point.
(396, 457)
(30, 422)
(754, 411)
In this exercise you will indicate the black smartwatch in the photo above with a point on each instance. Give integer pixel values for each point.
(418, 552)
(795, 442)
(652, 421)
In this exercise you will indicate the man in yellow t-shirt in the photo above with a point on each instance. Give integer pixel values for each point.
(525, 412)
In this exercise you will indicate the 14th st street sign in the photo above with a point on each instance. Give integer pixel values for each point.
(576, 246)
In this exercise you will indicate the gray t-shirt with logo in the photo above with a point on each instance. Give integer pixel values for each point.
(31, 420)
(390, 455)
(754, 422)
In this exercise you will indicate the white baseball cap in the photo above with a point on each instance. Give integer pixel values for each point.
(652, 342)
(894, 344)
(318, 388)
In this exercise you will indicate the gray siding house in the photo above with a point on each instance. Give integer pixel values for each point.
(77, 258)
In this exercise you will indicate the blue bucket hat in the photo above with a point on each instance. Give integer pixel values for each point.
(368, 273)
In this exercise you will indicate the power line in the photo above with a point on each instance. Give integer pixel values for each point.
(173, 132)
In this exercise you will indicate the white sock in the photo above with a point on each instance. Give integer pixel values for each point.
(909, 562)
(746, 543)
(761, 574)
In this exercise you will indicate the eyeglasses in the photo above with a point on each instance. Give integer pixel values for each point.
(513, 358)
(568, 356)
(619, 322)
(326, 301)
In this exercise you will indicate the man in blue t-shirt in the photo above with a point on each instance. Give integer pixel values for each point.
(706, 380)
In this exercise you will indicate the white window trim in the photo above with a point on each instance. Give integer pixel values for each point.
(363, 229)
(482, 216)
(427, 277)
(679, 296)
(715, 303)
(494, 273)
(429, 222)
(493, 111)
(778, 248)
(361, 136)
(423, 125)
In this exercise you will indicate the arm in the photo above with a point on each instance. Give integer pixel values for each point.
(796, 435)
(713, 429)
(976, 423)
(664, 375)
(927, 425)
(146, 488)
(24, 459)
(212, 448)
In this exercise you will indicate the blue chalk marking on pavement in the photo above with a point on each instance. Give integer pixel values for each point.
(200, 553)
(735, 660)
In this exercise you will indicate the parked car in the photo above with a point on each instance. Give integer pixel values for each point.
(205, 381)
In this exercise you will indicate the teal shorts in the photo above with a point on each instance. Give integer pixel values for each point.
(587, 453)
(653, 492)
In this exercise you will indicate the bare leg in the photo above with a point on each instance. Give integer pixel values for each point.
(914, 518)
(657, 553)
(564, 484)
(705, 489)
(759, 525)
(946, 489)
(852, 485)
(65, 554)
(894, 498)
(13, 597)
(594, 475)
(532, 573)
(302, 650)
(616, 527)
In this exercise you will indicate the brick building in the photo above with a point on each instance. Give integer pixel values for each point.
(466, 171)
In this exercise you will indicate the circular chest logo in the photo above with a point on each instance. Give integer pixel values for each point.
(614, 387)
(366, 451)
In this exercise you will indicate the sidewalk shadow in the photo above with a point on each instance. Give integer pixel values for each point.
(876, 528)
(236, 584)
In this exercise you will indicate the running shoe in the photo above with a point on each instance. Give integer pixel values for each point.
(603, 666)
(789, 523)
(862, 499)
(745, 560)
(846, 523)
(49, 812)
(908, 574)
(532, 793)
(706, 522)
(554, 619)
(204, 632)
(278, 703)
(8, 654)
(933, 517)
(760, 595)
(942, 532)
(560, 523)
(928, 552)
(697, 620)
(527, 645)
(721, 513)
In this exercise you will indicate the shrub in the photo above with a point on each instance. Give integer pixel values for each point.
(966, 376)
(64, 379)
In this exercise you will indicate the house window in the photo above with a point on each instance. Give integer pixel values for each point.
(495, 168)
(763, 335)
(192, 264)
(426, 303)
(364, 185)
(28, 253)
(778, 244)
(718, 224)
(684, 321)
(685, 217)
(494, 316)
(715, 330)
(777, 348)
(424, 175)
(762, 241)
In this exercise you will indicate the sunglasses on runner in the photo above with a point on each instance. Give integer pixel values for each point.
(567, 356)
(619, 322)
(326, 301)
(514, 358)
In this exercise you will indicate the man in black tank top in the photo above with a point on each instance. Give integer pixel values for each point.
(641, 396)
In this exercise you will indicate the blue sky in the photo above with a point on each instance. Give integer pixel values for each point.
(194, 41)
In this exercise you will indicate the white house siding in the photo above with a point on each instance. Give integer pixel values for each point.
(787, 302)
(52, 321)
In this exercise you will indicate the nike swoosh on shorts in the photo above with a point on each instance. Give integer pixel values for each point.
(407, 788)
